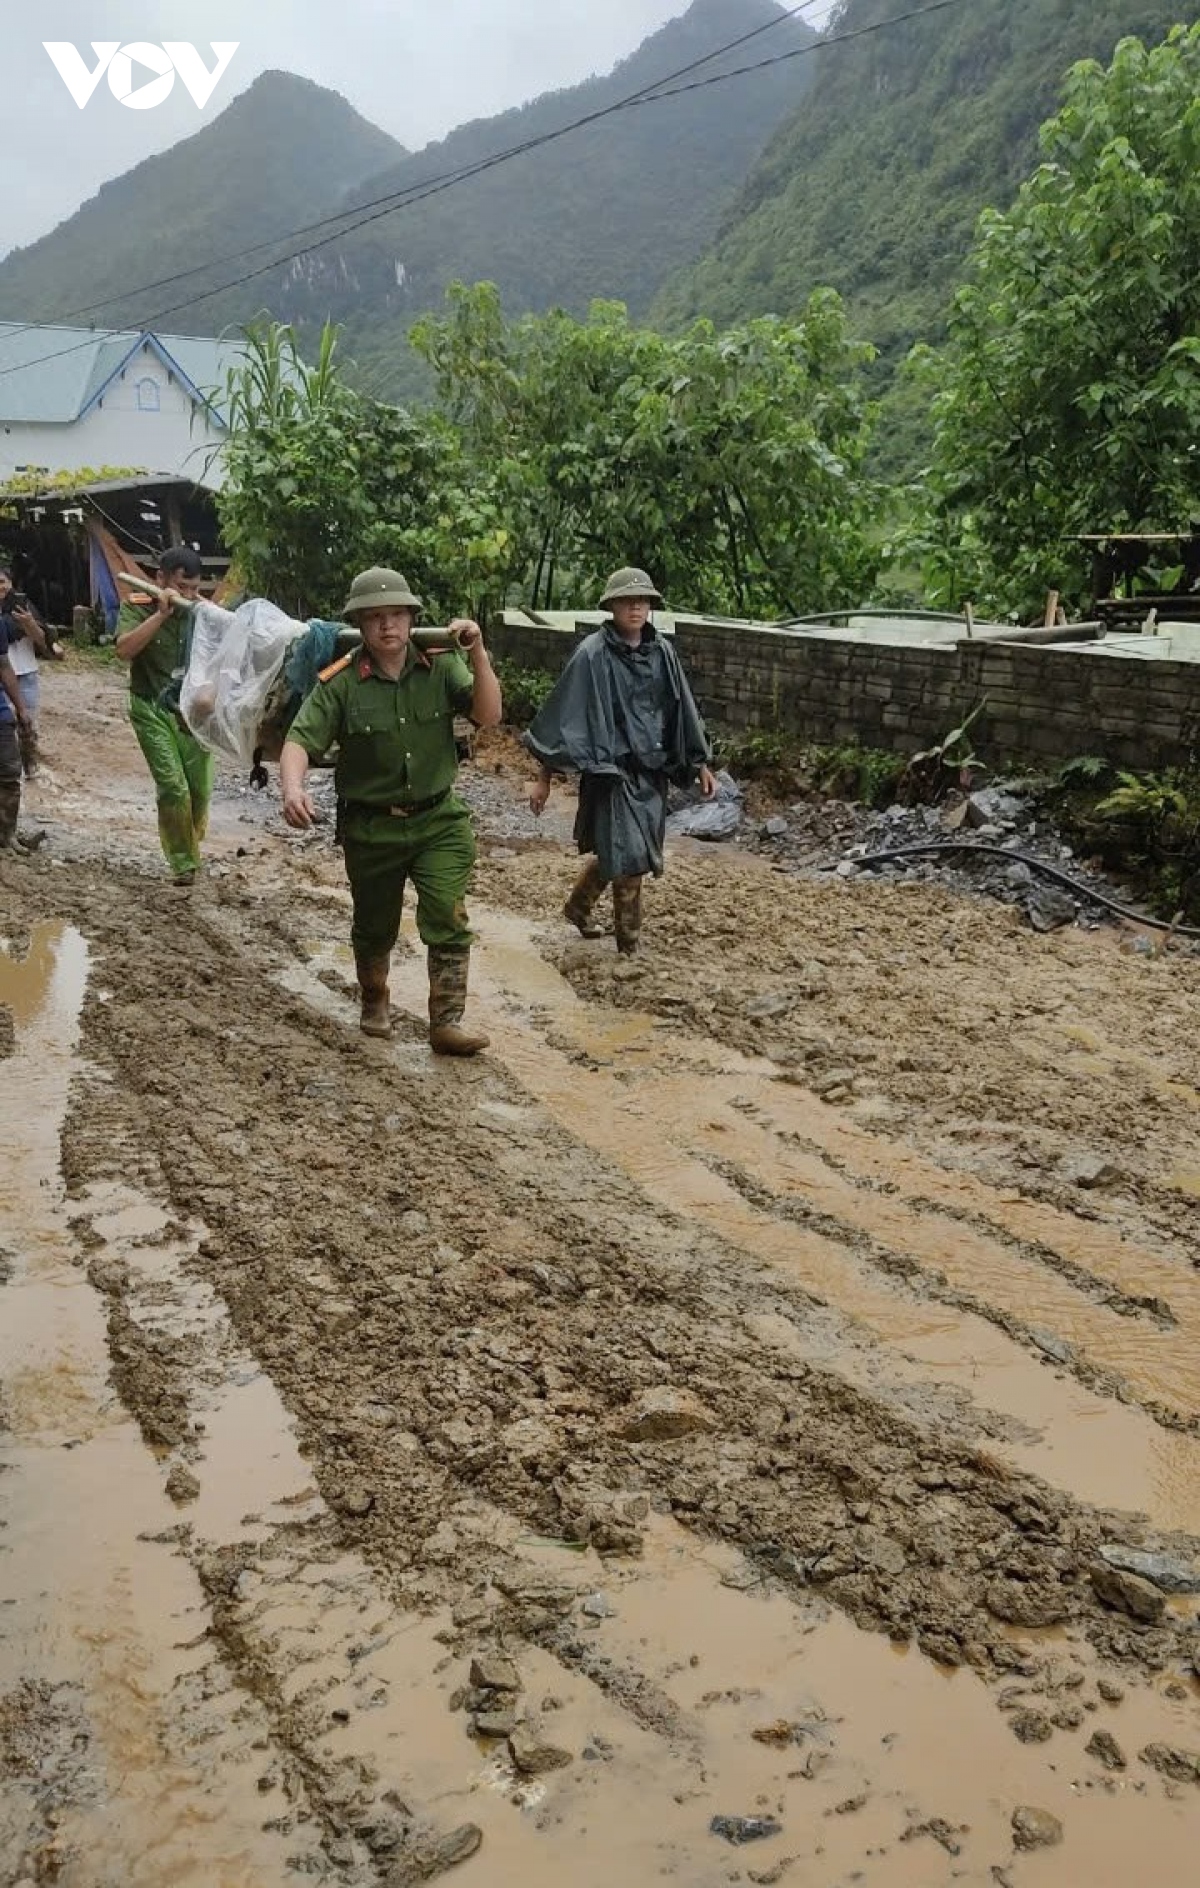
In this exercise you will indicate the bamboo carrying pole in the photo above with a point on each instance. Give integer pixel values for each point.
(423, 638)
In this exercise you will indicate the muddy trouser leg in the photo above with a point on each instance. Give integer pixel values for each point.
(28, 737)
(627, 911)
(165, 743)
(442, 859)
(10, 782)
(199, 766)
(582, 901)
(377, 867)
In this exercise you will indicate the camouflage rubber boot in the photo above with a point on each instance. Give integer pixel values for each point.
(376, 1017)
(627, 910)
(584, 893)
(448, 972)
(10, 807)
(30, 753)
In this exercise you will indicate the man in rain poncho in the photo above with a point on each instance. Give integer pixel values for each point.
(622, 716)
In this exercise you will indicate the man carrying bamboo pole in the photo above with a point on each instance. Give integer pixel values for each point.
(152, 639)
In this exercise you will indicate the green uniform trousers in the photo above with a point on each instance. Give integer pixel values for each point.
(183, 782)
(435, 849)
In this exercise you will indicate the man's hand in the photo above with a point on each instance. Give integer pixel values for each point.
(28, 622)
(707, 782)
(539, 793)
(299, 810)
(467, 634)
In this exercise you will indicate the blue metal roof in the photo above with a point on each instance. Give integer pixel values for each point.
(50, 374)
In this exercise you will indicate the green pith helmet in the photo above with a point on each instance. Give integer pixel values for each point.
(630, 583)
(379, 589)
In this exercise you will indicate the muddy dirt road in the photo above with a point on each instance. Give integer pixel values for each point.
(766, 1387)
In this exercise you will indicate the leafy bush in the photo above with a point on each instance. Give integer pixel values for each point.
(524, 691)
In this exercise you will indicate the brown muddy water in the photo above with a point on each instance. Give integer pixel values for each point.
(677, 1112)
(208, 1678)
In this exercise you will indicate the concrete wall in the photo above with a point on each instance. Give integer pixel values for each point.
(1045, 703)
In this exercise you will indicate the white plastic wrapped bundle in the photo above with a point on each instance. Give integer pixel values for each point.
(236, 660)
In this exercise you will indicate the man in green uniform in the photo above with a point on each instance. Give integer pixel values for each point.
(152, 637)
(389, 710)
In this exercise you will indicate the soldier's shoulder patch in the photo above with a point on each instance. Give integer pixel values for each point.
(335, 668)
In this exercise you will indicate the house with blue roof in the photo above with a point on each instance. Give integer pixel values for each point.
(88, 397)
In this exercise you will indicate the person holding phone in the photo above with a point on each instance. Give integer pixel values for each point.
(27, 640)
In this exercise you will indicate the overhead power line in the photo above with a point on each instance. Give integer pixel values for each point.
(647, 95)
(397, 198)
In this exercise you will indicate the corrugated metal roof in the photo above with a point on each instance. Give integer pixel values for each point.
(50, 373)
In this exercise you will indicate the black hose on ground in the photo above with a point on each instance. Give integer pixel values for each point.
(1038, 865)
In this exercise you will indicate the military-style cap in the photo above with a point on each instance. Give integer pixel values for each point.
(630, 583)
(379, 589)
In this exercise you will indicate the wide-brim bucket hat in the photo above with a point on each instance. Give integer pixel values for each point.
(630, 583)
(380, 589)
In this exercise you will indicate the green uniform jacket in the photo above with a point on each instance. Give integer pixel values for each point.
(153, 670)
(395, 740)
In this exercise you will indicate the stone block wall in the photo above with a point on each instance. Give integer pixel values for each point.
(1044, 704)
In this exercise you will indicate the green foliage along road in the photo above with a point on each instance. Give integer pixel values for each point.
(1067, 397)
(730, 465)
(874, 185)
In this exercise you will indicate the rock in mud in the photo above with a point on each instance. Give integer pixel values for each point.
(1182, 1766)
(1110, 1691)
(1169, 1572)
(1049, 909)
(598, 1606)
(182, 1484)
(493, 1724)
(533, 1757)
(664, 1415)
(1036, 1829)
(493, 1672)
(1126, 1593)
(427, 1859)
(355, 1500)
(1031, 1727)
(1028, 1602)
(1089, 1171)
(739, 1829)
(1103, 1744)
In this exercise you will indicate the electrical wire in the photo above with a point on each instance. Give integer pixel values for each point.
(647, 96)
(396, 199)
(1031, 859)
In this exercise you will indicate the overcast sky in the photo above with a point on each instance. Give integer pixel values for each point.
(415, 67)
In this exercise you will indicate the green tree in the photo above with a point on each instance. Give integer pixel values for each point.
(729, 464)
(322, 480)
(1069, 388)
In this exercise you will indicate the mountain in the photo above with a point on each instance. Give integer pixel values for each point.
(611, 210)
(285, 152)
(875, 184)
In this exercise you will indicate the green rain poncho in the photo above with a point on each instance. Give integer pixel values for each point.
(623, 717)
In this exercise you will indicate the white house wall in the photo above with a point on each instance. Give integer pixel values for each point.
(117, 432)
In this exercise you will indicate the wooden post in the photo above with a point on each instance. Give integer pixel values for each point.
(1051, 616)
(969, 614)
(173, 518)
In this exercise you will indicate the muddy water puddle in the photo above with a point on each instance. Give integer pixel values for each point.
(125, 1758)
(703, 1109)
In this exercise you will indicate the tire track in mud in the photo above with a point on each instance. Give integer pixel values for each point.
(515, 1389)
(906, 1265)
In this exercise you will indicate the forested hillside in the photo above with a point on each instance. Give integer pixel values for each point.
(610, 210)
(875, 184)
(285, 152)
